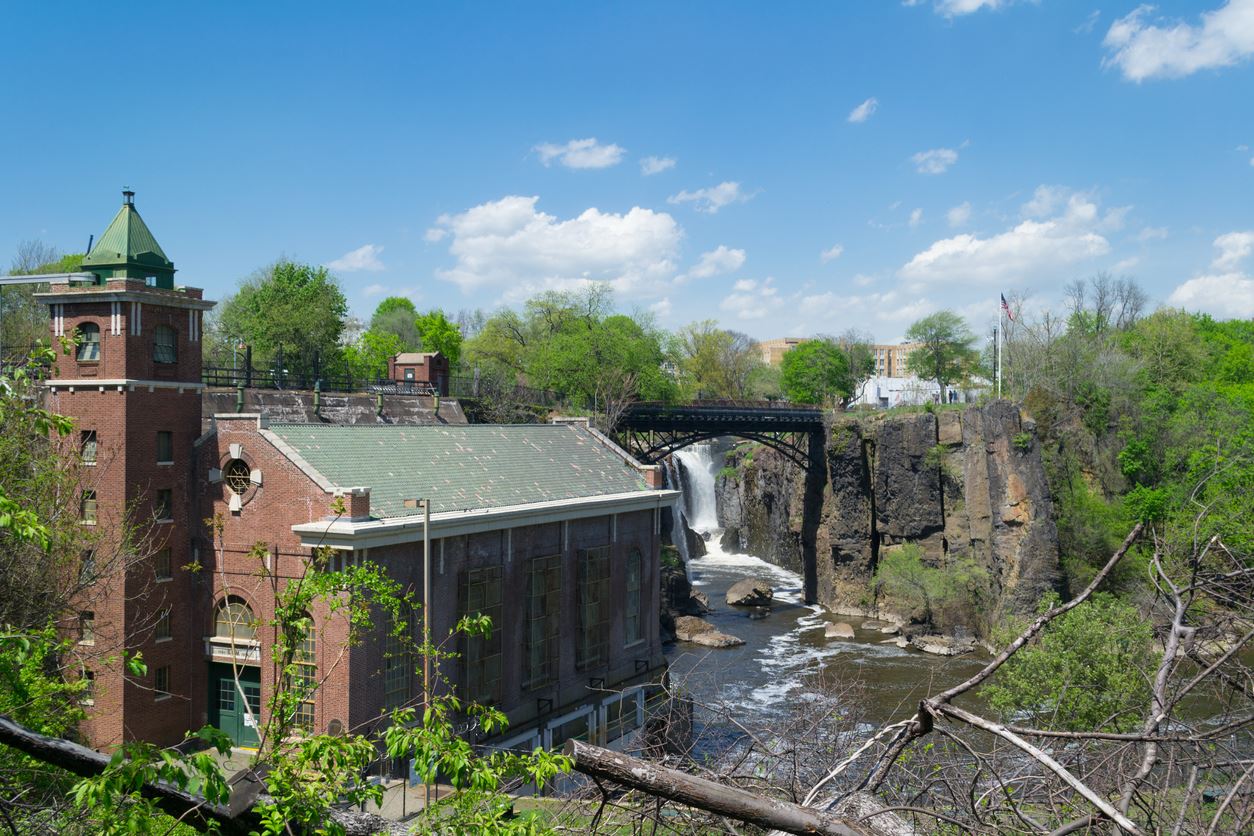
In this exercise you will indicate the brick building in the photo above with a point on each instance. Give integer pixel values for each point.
(550, 529)
(420, 368)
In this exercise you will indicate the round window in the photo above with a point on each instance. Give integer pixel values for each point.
(237, 476)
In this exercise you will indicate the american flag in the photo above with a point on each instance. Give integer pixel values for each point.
(1005, 306)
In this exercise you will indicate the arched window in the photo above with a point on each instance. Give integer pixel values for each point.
(234, 621)
(88, 342)
(165, 345)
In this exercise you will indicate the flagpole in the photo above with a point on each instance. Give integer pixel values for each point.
(999, 339)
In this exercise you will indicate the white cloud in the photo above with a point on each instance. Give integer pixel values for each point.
(1152, 233)
(955, 8)
(935, 161)
(1169, 49)
(1234, 247)
(864, 111)
(1045, 200)
(716, 262)
(916, 217)
(363, 259)
(1228, 295)
(661, 307)
(890, 307)
(581, 153)
(434, 235)
(1033, 248)
(373, 290)
(1125, 264)
(831, 253)
(751, 299)
(712, 199)
(656, 165)
(1089, 22)
(959, 215)
(509, 245)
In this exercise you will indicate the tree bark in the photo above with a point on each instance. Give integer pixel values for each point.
(708, 795)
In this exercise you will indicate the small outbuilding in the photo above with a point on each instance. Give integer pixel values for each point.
(419, 367)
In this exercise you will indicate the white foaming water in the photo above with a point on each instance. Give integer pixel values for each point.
(678, 536)
(700, 461)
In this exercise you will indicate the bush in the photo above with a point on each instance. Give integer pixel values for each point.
(1089, 670)
(1023, 442)
(941, 597)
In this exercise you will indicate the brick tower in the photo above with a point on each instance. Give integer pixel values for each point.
(133, 387)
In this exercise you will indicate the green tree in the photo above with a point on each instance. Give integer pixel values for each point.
(938, 596)
(817, 372)
(368, 358)
(439, 334)
(1089, 670)
(289, 310)
(717, 363)
(23, 318)
(397, 315)
(946, 353)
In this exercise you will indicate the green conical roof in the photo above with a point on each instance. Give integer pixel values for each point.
(128, 241)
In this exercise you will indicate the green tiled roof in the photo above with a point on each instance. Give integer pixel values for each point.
(462, 467)
(127, 241)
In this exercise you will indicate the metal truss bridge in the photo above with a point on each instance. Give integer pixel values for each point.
(652, 431)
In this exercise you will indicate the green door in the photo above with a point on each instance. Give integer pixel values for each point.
(235, 708)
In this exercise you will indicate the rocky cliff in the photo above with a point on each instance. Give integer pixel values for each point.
(965, 486)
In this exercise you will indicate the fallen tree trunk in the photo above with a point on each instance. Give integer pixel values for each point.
(238, 817)
(708, 795)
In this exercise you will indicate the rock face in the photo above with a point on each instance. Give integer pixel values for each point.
(750, 592)
(954, 483)
(689, 628)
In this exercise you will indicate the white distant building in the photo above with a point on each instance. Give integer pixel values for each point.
(885, 392)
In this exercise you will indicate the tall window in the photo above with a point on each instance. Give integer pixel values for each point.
(165, 504)
(89, 688)
(481, 594)
(87, 446)
(633, 618)
(163, 632)
(544, 593)
(397, 662)
(594, 608)
(163, 564)
(88, 343)
(87, 567)
(87, 628)
(165, 345)
(161, 682)
(234, 621)
(305, 661)
(87, 507)
(165, 447)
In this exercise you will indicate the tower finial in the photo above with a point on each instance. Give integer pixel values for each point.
(128, 196)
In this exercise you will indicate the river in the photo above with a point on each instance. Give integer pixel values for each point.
(786, 655)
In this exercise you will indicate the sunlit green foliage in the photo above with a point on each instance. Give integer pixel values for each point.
(1089, 669)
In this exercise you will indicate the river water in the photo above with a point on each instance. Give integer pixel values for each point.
(786, 656)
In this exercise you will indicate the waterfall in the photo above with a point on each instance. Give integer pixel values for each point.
(699, 462)
(678, 535)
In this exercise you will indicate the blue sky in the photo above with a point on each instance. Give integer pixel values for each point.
(785, 168)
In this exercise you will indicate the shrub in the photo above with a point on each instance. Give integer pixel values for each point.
(1089, 669)
(1023, 442)
(941, 596)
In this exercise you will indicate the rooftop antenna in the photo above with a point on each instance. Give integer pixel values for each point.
(90, 240)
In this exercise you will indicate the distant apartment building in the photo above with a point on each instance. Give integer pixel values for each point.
(890, 360)
(773, 351)
(551, 530)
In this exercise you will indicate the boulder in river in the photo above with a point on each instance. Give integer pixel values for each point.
(889, 629)
(751, 592)
(689, 628)
(942, 645)
(839, 631)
